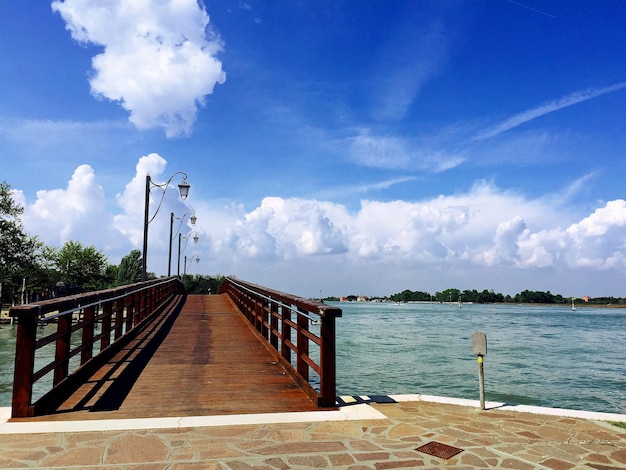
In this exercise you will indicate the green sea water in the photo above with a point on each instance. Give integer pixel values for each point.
(543, 356)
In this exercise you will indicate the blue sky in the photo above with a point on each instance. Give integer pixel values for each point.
(339, 147)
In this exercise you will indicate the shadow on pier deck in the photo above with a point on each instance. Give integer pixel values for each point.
(200, 358)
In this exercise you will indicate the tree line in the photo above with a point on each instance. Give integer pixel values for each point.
(30, 270)
(490, 297)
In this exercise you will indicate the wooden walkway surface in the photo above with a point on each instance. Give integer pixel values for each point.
(201, 359)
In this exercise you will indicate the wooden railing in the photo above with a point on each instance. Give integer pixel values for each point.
(89, 328)
(299, 331)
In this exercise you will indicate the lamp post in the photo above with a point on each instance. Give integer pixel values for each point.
(180, 237)
(192, 219)
(196, 257)
(183, 188)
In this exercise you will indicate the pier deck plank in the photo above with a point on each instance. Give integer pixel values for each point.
(209, 363)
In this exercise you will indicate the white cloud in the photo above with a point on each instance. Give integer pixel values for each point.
(158, 61)
(74, 213)
(163, 201)
(287, 228)
(485, 227)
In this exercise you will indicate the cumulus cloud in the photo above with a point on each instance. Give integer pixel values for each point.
(163, 201)
(485, 227)
(159, 59)
(288, 228)
(76, 212)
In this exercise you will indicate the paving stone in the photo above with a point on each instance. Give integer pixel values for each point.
(403, 430)
(215, 451)
(473, 461)
(196, 466)
(399, 464)
(598, 458)
(309, 461)
(73, 457)
(134, 448)
(556, 464)
(372, 456)
(277, 463)
(238, 465)
(619, 455)
(516, 464)
(337, 460)
(363, 446)
(301, 448)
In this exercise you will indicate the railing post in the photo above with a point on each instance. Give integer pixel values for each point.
(63, 343)
(302, 347)
(273, 313)
(24, 365)
(285, 350)
(137, 307)
(130, 311)
(107, 319)
(263, 310)
(118, 310)
(328, 350)
(87, 337)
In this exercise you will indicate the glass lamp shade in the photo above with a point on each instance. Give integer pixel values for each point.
(184, 189)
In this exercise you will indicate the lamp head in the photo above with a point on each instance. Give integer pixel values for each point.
(184, 189)
(193, 219)
(195, 239)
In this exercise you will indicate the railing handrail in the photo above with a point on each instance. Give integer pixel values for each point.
(287, 300)
(124, 310)
(42, 307)
(269, 311)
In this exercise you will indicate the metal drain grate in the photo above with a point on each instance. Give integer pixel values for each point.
(437, 449)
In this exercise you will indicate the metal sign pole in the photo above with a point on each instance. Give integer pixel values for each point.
(481, 382)
(479, 348)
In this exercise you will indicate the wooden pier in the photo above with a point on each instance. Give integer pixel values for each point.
(198, 356)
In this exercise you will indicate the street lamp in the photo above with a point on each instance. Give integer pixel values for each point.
(180, 237)
(183, 189)
(196, 257)
(192, 219)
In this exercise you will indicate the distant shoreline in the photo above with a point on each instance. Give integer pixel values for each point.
(526, 304)
(585, 305)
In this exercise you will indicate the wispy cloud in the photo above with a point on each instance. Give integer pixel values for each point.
(408, 61)
(383, 151)
(364, 188)
(532, 9)
(546, 108)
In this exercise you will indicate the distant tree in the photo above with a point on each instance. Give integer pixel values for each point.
(448, 295)
(17, 248)
(411, 296)
(110, 275)
(199, 284)
(129, 270)
(81, 265)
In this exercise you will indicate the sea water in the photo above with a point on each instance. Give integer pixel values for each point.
(543, 356)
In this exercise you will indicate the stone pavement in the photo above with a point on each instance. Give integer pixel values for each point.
(364, 433)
